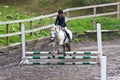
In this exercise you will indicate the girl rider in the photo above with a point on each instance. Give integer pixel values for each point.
(60, 20)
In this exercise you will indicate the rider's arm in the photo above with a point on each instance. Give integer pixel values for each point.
(63, 22)
(56, 21)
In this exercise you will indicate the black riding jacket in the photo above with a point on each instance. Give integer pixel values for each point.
(60, 21)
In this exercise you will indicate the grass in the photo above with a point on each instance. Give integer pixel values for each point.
(12, 13)
(81, 25)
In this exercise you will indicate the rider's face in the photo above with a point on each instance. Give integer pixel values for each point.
(60, 15)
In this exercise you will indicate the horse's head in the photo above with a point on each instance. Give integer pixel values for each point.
(53, 31)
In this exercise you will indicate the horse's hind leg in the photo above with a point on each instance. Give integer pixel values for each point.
(63, 47)
(69, 47)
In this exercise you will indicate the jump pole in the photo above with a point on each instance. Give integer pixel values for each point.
(103, 59)
(23, 42)
(103, 68)
(99, 39)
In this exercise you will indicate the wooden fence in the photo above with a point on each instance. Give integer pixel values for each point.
(51, 16)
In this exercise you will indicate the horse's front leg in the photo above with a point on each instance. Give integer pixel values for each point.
(63, 47)
(53, 44)
(58, 51)
(59, 44)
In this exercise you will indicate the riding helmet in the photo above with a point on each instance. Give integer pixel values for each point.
(60, 11)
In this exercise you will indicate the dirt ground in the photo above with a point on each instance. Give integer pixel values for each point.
(11, 70)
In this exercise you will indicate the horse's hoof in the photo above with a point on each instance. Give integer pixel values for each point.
(58, 52)
(53, 56)
(70, 54)
(64, 54)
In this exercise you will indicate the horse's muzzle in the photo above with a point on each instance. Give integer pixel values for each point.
(52, 39)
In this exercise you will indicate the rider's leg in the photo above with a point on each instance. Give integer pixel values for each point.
(67, 34)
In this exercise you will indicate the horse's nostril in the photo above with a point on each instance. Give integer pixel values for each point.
(52, 40)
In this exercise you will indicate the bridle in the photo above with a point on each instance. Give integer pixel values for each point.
(55, 33)
(53, 38)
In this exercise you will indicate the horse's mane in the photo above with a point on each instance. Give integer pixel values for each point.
(56, 28)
